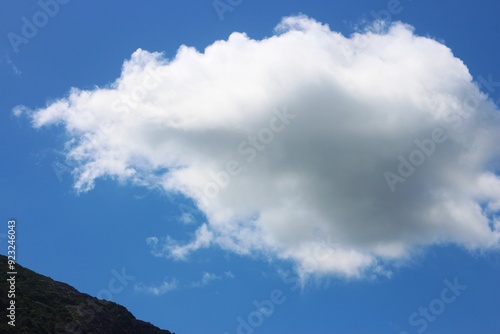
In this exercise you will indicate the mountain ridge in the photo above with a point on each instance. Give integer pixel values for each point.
(43, 305)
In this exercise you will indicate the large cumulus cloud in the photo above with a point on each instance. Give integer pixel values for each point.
(338, 153)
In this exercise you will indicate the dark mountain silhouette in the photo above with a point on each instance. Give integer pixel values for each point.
(43, 305)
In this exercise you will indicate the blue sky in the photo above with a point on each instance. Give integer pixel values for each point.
(122, 211)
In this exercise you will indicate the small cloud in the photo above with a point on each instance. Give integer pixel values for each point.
(209, 277)
(187, 218)
(139, 197)
(19, 110)
(12, 66)
(171, 249)
(205, 280)
(157, 289)
(152, 242)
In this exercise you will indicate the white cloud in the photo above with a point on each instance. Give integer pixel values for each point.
(207, 277)
(284, 141)
(159, 288)
(187, 218)
(13, 66)
(19, 110)
(170, 248)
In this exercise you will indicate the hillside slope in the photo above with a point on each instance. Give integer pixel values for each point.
(43, 305)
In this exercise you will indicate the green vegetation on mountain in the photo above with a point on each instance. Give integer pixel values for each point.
(43, 305)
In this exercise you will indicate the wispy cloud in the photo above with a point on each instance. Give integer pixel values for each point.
(158, 288)
(276, 181)
(207, 278)
(12, 65)
(168, 285)
(19, 110)
(187, 218)
(168, 247)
